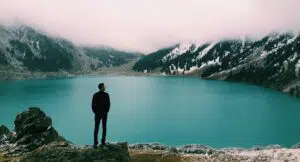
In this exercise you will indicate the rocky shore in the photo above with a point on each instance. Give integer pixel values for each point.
(35, 139)
(197, 152)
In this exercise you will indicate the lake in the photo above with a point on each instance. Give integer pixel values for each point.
(169, 110)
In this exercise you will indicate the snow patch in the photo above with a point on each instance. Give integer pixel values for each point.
(195, 49)
(212, 62)
(38, 45)
(206, 50)
(192, 69)
(292, 39)
(227, 53)
(297, 69)
(285, 65)
(215, 61)
(293, 58)
(172, 68)
(180, 70)
(181, 49)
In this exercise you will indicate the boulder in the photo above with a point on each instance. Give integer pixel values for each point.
(62, 151)
(3, 131)
(34, 129)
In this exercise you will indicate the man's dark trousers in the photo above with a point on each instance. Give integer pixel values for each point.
(98, 118)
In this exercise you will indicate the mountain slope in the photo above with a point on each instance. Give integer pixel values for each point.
(110, 57)
(24, 49)
(273, 61)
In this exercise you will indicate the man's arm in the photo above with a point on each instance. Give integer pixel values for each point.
(108, 103)
(94, 104)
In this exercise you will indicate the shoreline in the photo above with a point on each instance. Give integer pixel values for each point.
(64, 75)
(199, 152)
(197, 146)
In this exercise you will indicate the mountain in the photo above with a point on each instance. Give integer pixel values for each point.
(110, 57)
(272, 61)
(23, 48)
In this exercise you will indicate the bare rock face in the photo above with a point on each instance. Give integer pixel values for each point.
(34, 129)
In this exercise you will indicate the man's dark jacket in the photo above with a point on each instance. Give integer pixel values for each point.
(101, 103)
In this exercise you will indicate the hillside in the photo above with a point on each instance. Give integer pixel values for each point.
(24, 49)
(272, 61)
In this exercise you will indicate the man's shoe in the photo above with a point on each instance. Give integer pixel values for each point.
(103, 143)
(95, 146)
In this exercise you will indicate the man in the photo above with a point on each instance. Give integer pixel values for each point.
(100, 107)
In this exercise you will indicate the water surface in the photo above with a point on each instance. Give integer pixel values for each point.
(170, 110)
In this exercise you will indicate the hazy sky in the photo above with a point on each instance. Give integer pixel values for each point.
(147, 25)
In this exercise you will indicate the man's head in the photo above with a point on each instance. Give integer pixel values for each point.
(101, 87)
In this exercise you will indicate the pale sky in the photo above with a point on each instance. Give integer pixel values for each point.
(147, 25)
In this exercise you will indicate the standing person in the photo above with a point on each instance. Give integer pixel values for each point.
(100, 107)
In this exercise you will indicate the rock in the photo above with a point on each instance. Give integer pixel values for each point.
(3, 131)
(257, 148)
(173, 150)
(30, 120)
(63, 152)
(158, 146)
(36, 140)
(231, 149)
(296, 146)
(292, 91)
(34, 129)
(149, 146)
(139, 146)
(273, 147)
(298, 91)
(295, 91)
(196, 149)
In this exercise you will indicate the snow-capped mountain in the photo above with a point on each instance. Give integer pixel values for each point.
(273, 61)
(25, 49)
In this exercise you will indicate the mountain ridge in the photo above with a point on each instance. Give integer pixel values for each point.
(23, 48)
(272, 61)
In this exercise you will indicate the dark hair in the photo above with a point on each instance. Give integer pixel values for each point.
(101, 85)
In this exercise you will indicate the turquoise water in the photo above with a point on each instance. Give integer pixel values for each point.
(170, 110)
